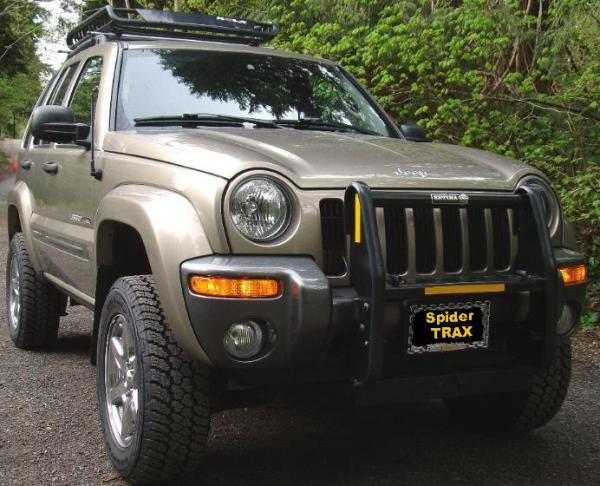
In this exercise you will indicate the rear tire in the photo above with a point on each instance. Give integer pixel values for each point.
(518, 413)
(156, 417)
(33, 305)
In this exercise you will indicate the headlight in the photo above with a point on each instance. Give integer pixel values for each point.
(550, 204)
(260, 209)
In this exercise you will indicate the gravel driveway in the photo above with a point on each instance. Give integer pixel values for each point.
(50, 434)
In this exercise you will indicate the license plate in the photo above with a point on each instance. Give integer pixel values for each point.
(448, 327)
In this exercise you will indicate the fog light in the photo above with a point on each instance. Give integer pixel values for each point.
(567, 320)
(243, 340)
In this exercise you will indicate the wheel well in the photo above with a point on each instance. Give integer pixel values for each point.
(120, 252)
(14, 221)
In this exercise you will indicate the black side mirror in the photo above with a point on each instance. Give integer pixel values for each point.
(57, 124)
(414, 133)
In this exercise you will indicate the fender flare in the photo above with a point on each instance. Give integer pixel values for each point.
(21, 198)
(172, 232)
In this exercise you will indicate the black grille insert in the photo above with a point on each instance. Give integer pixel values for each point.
(452, 234)
(502, 235)
(477, 239)
(396, 239)
(333, 239)
(424, 239)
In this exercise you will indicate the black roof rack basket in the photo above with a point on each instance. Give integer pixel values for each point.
(137, 22)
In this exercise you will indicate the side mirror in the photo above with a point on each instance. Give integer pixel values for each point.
(414, 133)
(57, 124)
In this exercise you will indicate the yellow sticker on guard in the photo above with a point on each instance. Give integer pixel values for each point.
(356, 219)
(465, 289)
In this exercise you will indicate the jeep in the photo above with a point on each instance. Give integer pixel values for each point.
(239, 217)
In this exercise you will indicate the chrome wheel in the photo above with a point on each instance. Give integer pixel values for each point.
(121, 380)
(14, 294)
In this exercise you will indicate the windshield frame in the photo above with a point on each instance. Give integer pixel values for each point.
(393, 130)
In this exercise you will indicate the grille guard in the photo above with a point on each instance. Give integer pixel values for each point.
(535, 266)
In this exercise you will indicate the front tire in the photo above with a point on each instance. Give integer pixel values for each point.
(153, 399)
(518, 413)
(33, 305)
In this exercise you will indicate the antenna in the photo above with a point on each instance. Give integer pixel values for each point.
(95, 173)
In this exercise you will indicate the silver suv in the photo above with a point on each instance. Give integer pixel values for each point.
(238, 216)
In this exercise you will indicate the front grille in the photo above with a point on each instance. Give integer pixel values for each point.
(423, 241)
(449, 240)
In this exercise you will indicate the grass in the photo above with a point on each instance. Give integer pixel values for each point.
(590, 320)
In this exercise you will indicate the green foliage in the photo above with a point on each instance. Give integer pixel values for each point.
(18, 94)
(520, 78)
(20, 28)
(590, 320)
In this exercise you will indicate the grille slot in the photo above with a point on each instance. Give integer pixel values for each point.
(452, 239)
(477, 239)
(333, 239)
(396, 239)
(424, 240)
(502, 235)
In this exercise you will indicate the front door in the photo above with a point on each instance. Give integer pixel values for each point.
(64, 222)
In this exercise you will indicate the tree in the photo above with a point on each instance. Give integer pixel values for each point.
(517, 77)
(20, 29)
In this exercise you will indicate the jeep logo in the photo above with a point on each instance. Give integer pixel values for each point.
(449, 198)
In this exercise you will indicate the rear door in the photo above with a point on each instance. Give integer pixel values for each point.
(65, 222)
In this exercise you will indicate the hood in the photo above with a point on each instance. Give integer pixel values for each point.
(319, 159)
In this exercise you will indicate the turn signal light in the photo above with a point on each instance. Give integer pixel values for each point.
(573, 275)
(239, 288)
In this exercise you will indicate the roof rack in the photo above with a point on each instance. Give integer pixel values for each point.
(140, 22)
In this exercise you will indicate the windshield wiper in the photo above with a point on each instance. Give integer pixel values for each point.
(195, 119)
(319, 123)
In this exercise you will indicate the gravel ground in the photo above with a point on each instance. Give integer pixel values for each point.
(50, 433)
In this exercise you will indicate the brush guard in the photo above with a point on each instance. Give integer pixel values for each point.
(535, 267)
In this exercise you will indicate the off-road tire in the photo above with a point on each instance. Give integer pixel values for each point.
(41, 303)
(173, 395)
(518, 413)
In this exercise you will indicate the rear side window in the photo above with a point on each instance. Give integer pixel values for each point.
(60, 90)
(86, 90)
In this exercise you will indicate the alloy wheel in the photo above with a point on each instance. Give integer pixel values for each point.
(121, 379)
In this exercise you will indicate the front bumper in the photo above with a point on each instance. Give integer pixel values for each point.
(297, 322)
(360, 331)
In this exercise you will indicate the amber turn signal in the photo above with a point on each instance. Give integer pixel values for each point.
(573, 275)
(239, 288)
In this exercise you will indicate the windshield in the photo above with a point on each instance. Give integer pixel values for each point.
(306, 94)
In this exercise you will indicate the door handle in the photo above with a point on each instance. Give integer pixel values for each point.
(26, 164)
(50, 167)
